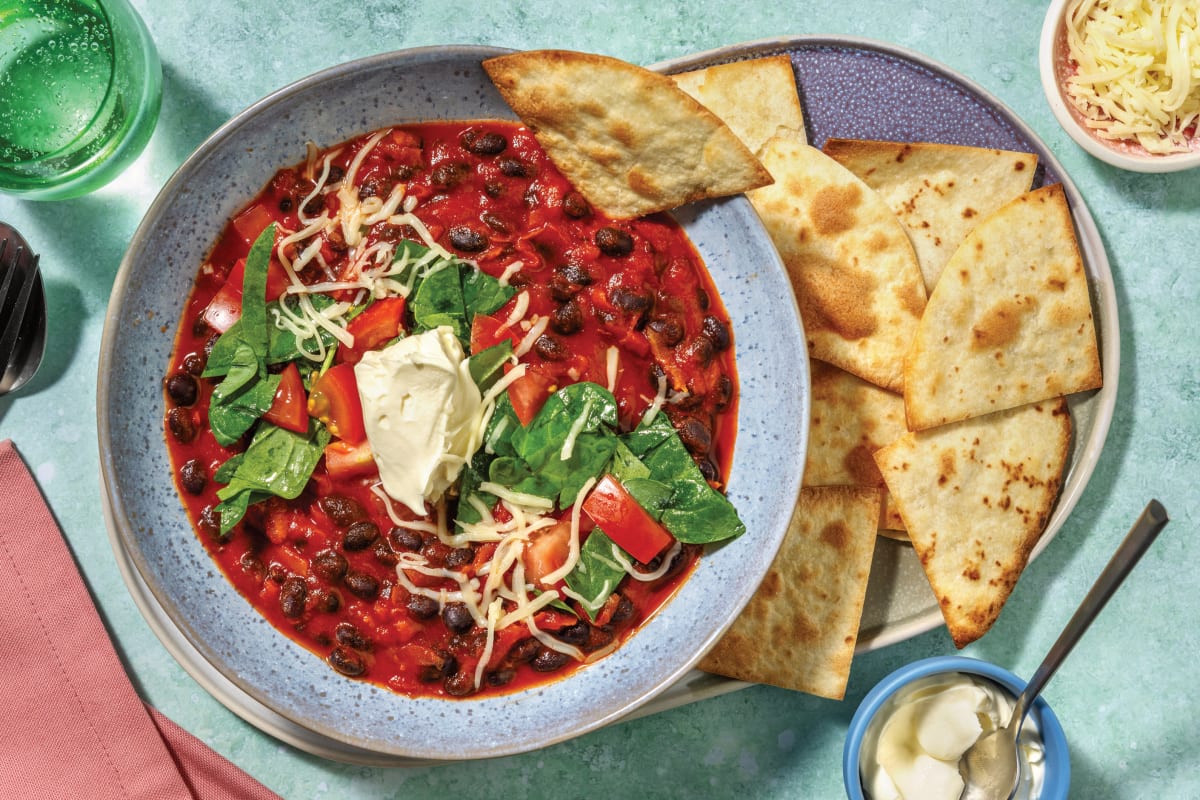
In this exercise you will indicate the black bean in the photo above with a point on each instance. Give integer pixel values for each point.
(624, 611)
(362, 585)
(575, 274)
(575, 634)
(484, 144)
(385, 555)
(252, 564)
(341, 510)
(182, 424)
(286, 204)
(708, 469)
(405, 539)
(335, 175)
(495, 222)
(695, 435)
(567, 318)
(315, 205)
(292, 595)
(548, 660)
(597, 638)
(500, 677)
(193, 476)
(523, 651)
(330, 565)
(347, 662)
(210, 523)
(326, 600)
(669, 331)
(576, 205)
(346, 633)
(460, 684)
(447, 176)
(628, 300)
(459, 557)
(444, 667)
(194, 363)
(200, 330)
(718, 332)
(458, 617)
(702, 298)
(421, 607)
(493, 188)
(513, 167)
(614, 241)
(360, 535)
(699, 349)
(724, 392)
(550, 348)
(467, 239)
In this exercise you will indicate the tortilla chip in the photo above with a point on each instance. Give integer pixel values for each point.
(800, 628)
(851, 265)
(754, 97)
(976, 497)
(891, 524)
(1010, 322)
(939, 192)
(630, 140)
(851, 419)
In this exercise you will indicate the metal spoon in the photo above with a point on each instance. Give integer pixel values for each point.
(22, 311)
(992, 767)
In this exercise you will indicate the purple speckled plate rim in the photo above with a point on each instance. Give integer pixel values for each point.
(1095, 409)
(628, 689)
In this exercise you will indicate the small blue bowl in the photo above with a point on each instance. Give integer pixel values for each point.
(1057, 763)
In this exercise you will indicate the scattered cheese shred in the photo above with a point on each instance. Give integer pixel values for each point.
(1137, 70)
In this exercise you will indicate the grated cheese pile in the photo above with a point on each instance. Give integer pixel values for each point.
(1138, 70)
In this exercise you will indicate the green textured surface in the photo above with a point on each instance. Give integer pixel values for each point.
(1122, 696)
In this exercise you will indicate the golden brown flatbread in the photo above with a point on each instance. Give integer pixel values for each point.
(630, 140)
(800, 628)
(976, 497)
(939, 192)
(851, 264)
(1010, 321)
(754, 97)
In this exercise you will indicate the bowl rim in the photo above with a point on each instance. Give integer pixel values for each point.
(737, 210)
(1058, 777)
(1053, 89)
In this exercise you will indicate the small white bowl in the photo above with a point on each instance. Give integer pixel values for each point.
(1053, 62)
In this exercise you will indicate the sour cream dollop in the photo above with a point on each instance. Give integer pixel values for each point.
(925, 728)
(422, 413)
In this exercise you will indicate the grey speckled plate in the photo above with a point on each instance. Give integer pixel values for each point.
(150, 529)
(858, 89)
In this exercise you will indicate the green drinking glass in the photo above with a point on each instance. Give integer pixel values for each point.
(80, 88)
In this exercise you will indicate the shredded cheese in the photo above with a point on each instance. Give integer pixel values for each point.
(1138, 70)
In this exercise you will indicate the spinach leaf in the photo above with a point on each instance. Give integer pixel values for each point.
(282, 345)
(487, 366)
(438, 301)
(232, 414)
(483, 294)
(278, 462)
(447, 291)
(694, 512)
(597, 573)
(537, 465)
(496, 439)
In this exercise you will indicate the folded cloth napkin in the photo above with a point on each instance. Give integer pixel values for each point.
(71, 724)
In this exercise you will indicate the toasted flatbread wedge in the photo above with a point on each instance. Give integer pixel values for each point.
(754, 97)
(630, 140)
(939, 192)
(800, 628)
(1009, 323)
(975, 497)
(852, 266)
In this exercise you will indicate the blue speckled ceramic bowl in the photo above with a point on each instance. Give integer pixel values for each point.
(1057, 777)
(151, 529)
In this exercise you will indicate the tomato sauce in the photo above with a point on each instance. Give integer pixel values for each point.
(322, 568)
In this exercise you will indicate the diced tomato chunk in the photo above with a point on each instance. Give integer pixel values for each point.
(615, 511)
(334, 401)
(346, 460)
(375, 326)
(547, 550)
(253, 221)
(290, 407)
(226, 306)
(485, 332)
(528, 393)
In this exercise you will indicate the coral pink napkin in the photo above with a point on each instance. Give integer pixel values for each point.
(71, 724)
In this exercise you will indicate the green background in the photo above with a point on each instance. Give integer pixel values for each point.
(1124, 697)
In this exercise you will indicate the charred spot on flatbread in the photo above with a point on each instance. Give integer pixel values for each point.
(630, 140)
(800, 628)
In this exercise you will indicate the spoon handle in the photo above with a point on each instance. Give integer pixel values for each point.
(1152, 520)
